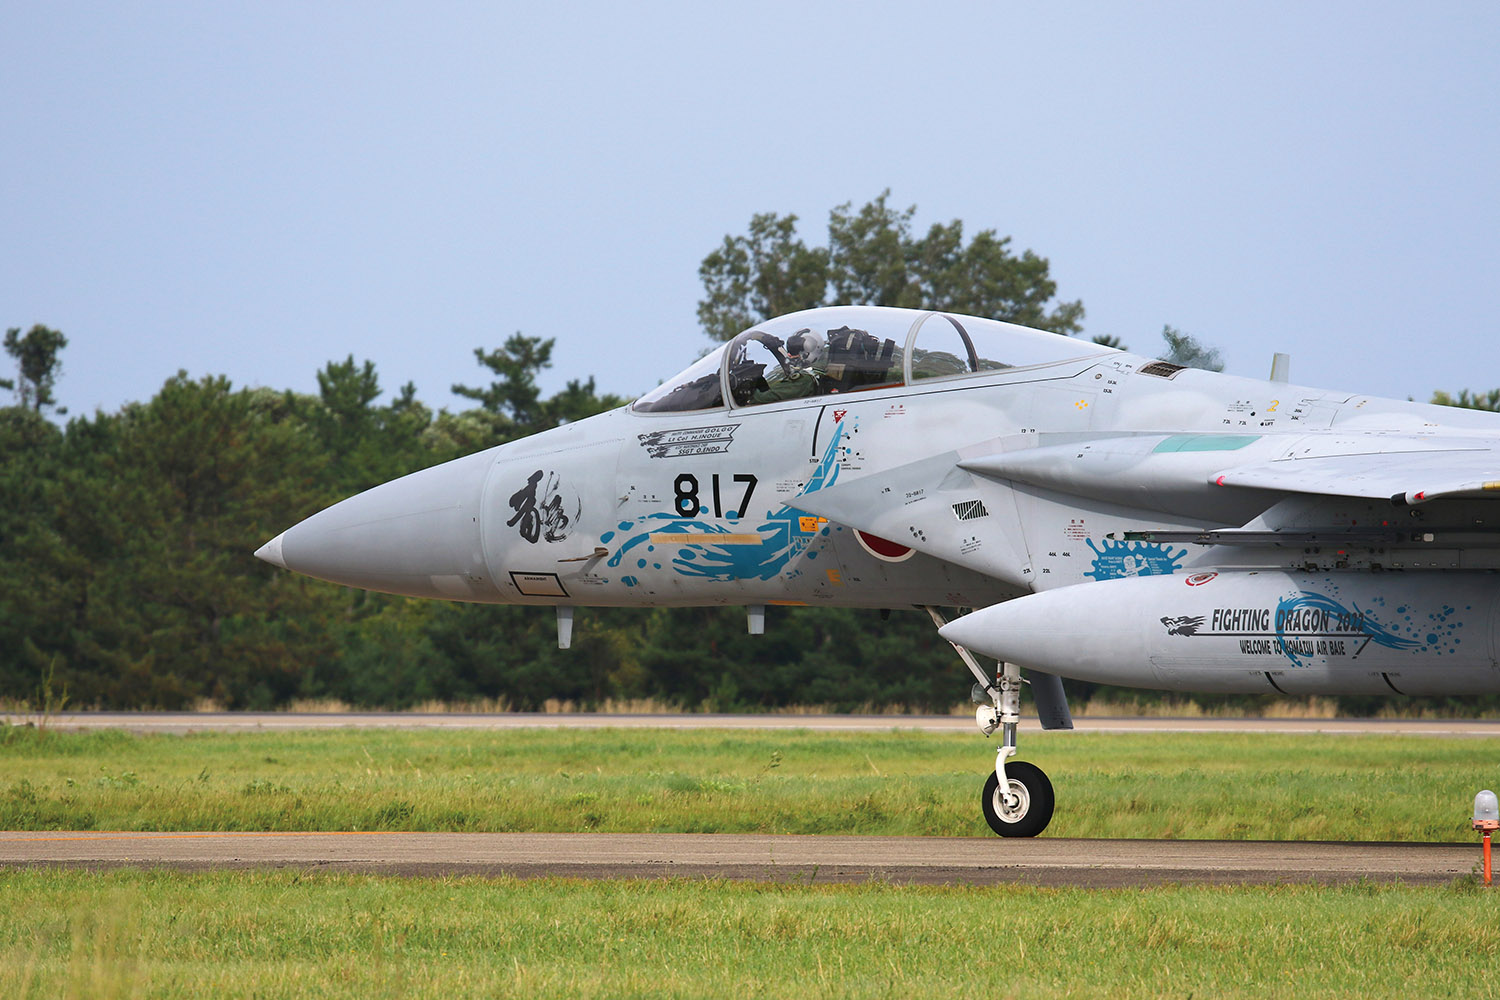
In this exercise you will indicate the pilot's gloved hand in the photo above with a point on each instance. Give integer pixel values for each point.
(747, 388)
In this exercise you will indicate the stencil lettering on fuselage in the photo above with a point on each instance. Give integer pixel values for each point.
(689, 441)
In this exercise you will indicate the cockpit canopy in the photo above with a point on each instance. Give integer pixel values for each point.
(842, 349)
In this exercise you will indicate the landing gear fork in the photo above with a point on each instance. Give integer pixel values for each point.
(1018, 799)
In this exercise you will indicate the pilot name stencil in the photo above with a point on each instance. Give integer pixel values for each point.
(688, 441)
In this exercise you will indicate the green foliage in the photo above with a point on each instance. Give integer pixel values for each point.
(145, 587)
(37, 359)
(514, 396)
(367, 444)
(765, 273)
(1476, 401)
(873, 258)
(126, 541)
(844, 658)
(31, 544)
(513, 401)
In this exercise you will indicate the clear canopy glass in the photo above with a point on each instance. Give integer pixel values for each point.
(698, 388)
(841, 349)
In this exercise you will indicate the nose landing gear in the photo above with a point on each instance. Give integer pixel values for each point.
(1017, 800)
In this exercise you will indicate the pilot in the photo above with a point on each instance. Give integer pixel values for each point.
(806, 354)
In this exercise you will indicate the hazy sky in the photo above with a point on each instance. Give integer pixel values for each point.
(255, 189)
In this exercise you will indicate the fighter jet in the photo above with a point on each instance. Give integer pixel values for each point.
(1102, 515)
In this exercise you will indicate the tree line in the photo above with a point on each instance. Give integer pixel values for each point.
(126, 537)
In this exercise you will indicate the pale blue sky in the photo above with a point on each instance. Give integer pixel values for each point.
(255, 189)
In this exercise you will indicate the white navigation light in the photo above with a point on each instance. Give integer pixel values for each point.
(1486, 810)
(1486, 820)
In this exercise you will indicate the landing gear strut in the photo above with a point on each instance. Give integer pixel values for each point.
(1017, 799)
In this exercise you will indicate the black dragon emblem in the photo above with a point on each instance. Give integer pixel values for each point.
(534, 517)
(1187, 625)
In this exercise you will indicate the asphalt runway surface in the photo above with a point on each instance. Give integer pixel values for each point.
(790, 859)
(188, 722)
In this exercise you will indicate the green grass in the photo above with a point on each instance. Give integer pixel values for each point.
(1276, 787)
(270, 933)
(240, 934)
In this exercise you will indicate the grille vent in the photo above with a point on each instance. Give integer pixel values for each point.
(969, 510)
(1161, 369)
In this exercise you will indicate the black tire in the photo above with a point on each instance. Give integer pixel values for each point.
(1037, 797)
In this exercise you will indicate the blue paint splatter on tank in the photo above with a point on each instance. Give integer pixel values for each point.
(1119, 560)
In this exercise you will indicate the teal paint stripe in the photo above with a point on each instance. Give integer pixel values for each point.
(1206, 442)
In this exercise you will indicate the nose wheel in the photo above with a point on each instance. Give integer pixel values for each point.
(1024, 808)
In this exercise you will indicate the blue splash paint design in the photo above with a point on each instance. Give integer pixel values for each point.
(1118, 560)
(1341, 621)
(781, 536)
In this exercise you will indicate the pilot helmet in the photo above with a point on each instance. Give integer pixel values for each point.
(806, 349)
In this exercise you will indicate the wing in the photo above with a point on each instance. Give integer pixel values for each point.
(1405, 477)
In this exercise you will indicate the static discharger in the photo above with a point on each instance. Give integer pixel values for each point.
(1486, 819)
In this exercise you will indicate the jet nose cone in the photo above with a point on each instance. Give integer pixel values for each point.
(271, 551)
(418, 535)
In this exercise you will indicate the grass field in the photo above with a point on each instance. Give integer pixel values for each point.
(239, 934)
(1275, 787)
(285, 933)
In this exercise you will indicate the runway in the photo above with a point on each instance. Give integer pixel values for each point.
(190, 722)
(791, 859)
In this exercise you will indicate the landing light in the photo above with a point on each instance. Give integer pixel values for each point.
(1487, 819)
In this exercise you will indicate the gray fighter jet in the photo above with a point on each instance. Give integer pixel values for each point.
(1109, 517)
